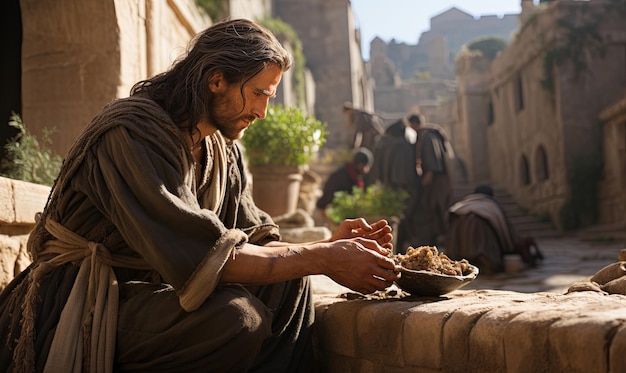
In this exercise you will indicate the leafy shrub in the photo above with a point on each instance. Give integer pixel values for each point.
(375, 200)
(28, 159)
(286, 137)
(489, 46)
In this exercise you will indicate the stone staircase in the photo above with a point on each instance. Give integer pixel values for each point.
(523, 223)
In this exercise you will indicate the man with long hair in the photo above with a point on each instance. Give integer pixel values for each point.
(151, 255)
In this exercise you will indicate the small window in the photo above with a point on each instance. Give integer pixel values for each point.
(541, 164)
(519, 93)
(490, 113)
(524, 171)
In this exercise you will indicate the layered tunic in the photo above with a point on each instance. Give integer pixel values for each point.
(479, 231)
(137, 245)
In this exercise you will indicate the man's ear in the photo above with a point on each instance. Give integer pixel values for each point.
(216, 82)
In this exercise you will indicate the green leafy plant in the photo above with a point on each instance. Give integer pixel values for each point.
(489, 46)
(375, 200)
(28, 159)
(216, 9)
(285, 137)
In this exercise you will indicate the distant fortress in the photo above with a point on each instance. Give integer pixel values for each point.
(436, 50)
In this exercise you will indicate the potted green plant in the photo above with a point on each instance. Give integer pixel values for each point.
(278, 148)
(372, 203)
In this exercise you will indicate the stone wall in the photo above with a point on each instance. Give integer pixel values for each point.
(611, 196)
(79, 55)
(473, 331)
(19, 202)
(544, 132)
(332, 48)
(470, 141)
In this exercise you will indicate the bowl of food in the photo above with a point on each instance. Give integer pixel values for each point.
(426, 272)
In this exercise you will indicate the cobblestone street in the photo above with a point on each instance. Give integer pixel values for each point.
(567, 259)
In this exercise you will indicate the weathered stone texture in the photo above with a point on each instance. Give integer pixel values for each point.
(9, 254)
(545, 119)
(78, 56)
(611, 196)
(19, 202)
(473, 331)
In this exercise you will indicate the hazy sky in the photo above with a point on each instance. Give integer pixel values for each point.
(405, 20)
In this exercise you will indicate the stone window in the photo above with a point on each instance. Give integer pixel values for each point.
(490, 113)
(524, 171)
(519, 93)
(541, 164)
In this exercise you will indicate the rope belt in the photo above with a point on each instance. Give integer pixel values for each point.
(84, 339)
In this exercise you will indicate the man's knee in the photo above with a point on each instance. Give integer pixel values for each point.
(252, 316)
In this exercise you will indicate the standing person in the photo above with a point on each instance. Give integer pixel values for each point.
(431, 150)
(345, 178)
(367, 127)
(394, 167)
(151, 255)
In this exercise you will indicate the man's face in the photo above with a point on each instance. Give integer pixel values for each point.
(228, 112)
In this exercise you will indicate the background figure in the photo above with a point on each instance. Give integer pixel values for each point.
(394, 167)
(345, 178)
(431, 150)
(368, 127)
(479, 231)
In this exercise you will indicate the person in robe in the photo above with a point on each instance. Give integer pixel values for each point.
(480, 231)
(151, 255)
(345, 178)
(394, 168)
(368, 127)
(432, 150)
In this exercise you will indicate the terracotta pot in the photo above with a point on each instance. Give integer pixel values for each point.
(276, 189)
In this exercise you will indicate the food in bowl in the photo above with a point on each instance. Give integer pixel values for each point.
(428, 258)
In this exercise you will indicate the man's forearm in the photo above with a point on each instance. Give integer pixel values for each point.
(275, 262)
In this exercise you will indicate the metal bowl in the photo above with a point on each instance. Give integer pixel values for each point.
(427, 283)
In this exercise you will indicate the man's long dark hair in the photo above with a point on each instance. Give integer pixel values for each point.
(239, 49)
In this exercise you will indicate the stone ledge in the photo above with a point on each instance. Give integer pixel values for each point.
(20, 201)
(473, 331)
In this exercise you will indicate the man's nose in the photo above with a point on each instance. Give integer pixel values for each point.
(260, 110)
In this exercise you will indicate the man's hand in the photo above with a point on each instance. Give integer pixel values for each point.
(358, 265)
(379, 231)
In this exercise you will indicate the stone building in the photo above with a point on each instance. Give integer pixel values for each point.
(393, 65)
(530, 120)
(437, 47)
(332, 46)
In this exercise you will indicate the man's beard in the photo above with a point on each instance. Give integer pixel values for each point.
(228, 124)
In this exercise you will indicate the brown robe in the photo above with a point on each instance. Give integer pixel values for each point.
(479, 231)
(128, 188)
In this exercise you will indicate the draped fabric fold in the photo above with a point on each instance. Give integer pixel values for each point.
(87, 328)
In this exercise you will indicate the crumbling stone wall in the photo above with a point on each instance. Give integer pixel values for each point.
(19, 202)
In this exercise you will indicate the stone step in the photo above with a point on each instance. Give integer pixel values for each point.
(523, 223)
